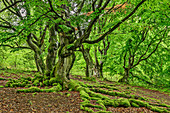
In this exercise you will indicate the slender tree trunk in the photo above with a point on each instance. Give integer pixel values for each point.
(101, 70)
(98, 66)
(37, 64)
(89, 62)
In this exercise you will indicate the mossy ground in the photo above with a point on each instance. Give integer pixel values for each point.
(96, 95)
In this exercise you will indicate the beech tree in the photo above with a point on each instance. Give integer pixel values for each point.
(68, 19)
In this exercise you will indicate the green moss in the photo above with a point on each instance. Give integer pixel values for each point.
(103, 91)
(142, 98)
(6, 85)
(79, 88)
(100, 102)
(54, 84)
(95, 98)
(56, 88)
(46, 82)
(124, 102)
(88, 110)
(30, 90)
(2, 78)
(70, 90)
(165, 105)
(68, 95)
(84, 94)
(41, 84)
(160, 110)
(87, 90)
(111, 102)
(111, 93)
(73, 84)
(1, 86)
(36, 82)
(81, 107)
(103, 112)
(98, 95)
(53, 89)
(28, 78)
(23, 84)
(11, 85)
(28, 85)
(91, 105)
(134, 104)
(52, 80)
(140, 103)
(120, 94)
(82, 84)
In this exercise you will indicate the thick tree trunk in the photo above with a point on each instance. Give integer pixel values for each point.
(89, 62)
(52, 51)
(66, 58)
(62, 69)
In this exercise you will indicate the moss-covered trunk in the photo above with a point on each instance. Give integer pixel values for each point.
(66, 57)
(39, 63)
(126, 75)
(52, 51)
(62, 69)
(37, 54)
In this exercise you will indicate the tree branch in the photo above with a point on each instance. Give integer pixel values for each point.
(10, 6)
(116, 26)
(25, 28)
(19, 47)
(140, 59)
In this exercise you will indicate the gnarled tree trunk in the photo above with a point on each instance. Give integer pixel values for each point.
(38, 54)
(66, 57)
(52, 51)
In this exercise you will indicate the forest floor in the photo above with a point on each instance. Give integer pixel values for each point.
(61, 102)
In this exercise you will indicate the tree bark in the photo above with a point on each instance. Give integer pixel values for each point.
(89, 62)
(126, 75)
(52, 51)
(66, 57)
(37, 54)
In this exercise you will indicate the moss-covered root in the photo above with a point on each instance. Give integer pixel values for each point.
(86, 94)
(36, 89)
(138, 103)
